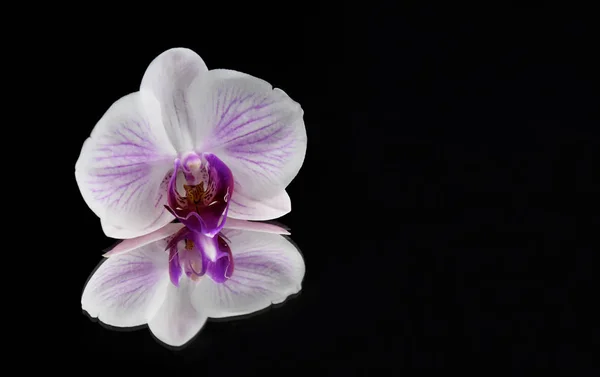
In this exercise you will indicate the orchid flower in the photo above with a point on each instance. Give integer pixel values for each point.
(173, 279)
(192, 144)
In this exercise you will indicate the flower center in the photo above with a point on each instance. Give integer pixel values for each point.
(196, 194)
(203, 203)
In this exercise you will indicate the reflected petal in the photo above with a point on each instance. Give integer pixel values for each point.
(177, 322)
(268, 269)
(127, 289)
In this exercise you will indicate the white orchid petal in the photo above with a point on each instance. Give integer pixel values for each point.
(123, 169)
(177, 322)
(267, 269)
(243, 208)
(256, 130)
(128, 289)
(254, 226)
(173, 80)
(134, 243)
(125, 233)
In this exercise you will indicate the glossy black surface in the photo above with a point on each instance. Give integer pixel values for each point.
(439, 209)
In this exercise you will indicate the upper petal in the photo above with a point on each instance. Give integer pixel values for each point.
(127, 289)
(173, 79)
(177, 322)
(256, 130)
(124, 167)
(268, 268)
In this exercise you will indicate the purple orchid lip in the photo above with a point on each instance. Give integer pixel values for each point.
(197, 255)
(208, 187)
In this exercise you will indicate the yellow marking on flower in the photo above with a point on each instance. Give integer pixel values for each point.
(195, 194)
(189, 244)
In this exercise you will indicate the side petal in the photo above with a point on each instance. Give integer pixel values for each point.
(268, 268)
(177, 322)
(124, 168)
(128, 289)
(256, 130)
(134, 243)
(173, 79)
(254, 226)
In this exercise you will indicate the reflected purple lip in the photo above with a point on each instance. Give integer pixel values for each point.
(197, 255)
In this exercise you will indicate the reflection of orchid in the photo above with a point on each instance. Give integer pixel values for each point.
(174, 279)
(206, 145)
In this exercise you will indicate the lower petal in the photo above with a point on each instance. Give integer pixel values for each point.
(268, 269)
(255, 226)
(127, 289)
(134, 243)
(127, 232)
(244, 208)
(177, 322)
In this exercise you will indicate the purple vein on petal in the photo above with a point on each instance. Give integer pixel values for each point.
(268, 136)
(257, 287)
(221, 127)
(136, 276)
(133, 148)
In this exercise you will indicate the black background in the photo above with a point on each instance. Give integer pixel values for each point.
(439, 209)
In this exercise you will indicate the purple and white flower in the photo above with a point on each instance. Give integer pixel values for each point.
(197, 145)
(176, 279)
